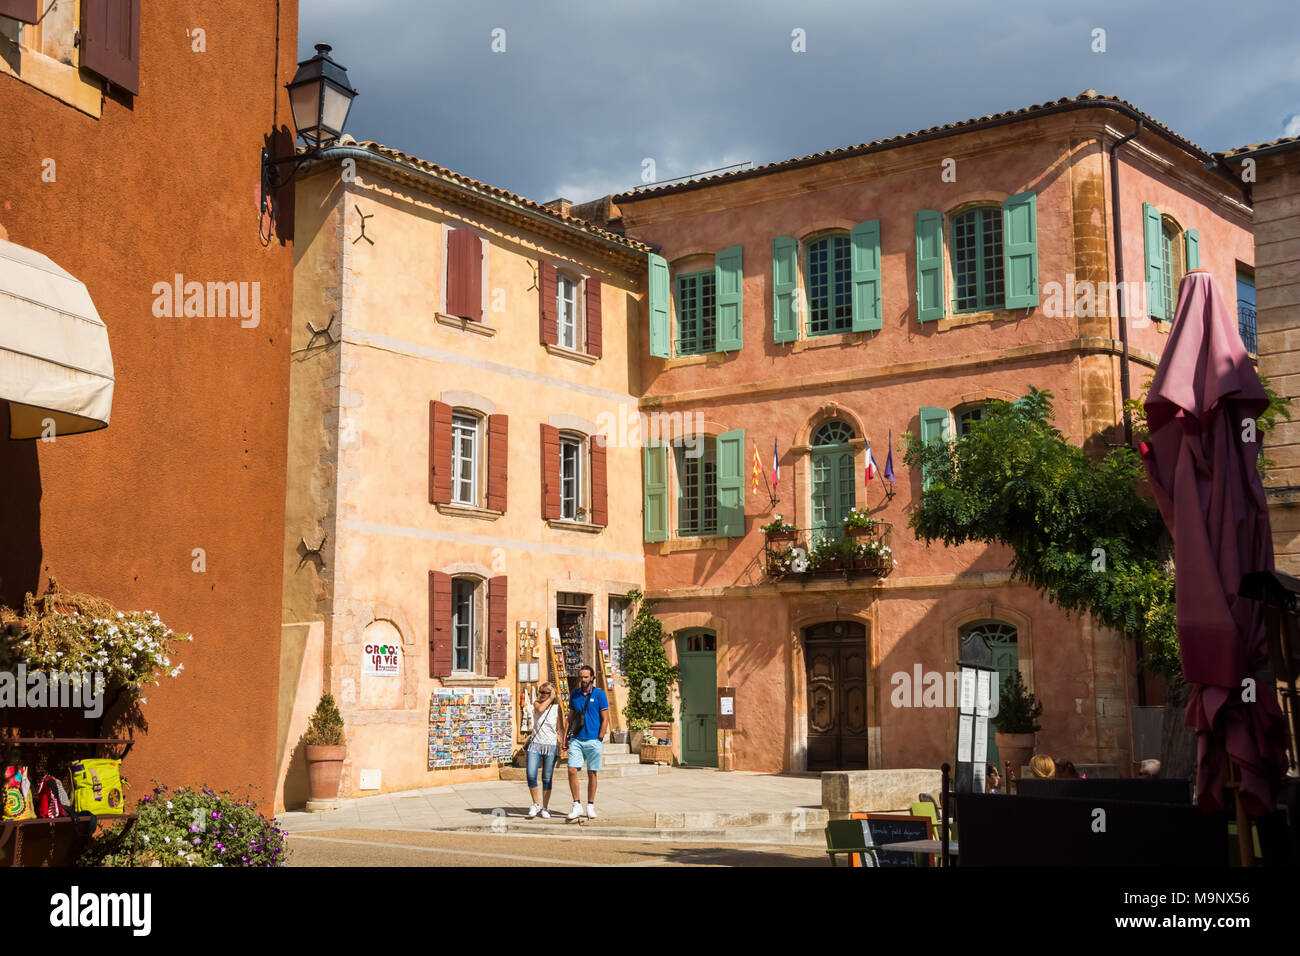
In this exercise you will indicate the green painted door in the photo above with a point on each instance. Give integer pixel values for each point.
(697, 654)
(1001, 638)
(833, 485)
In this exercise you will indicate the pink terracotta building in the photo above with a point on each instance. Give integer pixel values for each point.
(824, 303)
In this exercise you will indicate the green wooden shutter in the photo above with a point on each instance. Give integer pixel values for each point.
(935, 426)
(658, 306)
(785, 321)
(1152, 237)
(864, 239)
(1020, 251)
(731, 484)
(728, 276)
(929, 265)
(1193, 249)
(655, 457)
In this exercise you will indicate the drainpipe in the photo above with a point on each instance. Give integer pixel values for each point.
(1122, 294)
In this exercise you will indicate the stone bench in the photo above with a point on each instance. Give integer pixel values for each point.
(875, 791)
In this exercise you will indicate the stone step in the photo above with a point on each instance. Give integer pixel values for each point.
(800, 818)
(615, 770)
(596, 829)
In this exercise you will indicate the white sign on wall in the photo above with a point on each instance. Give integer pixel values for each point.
(381, 660)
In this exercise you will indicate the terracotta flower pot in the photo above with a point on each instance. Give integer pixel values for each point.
(662, 730)
(1015, 749)
(781, 535)
(859, 532)
(325, 770)
(634, 741)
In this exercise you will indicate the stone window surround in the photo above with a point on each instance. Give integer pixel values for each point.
(445, 227)
(576, 427)
(802, 452)
(580, 334)
(351, 641)
(465, 402)
(965, 203)
(469, 570)
(63, 81)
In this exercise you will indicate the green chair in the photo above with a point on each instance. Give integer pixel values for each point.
(845, 836)
(926, 808)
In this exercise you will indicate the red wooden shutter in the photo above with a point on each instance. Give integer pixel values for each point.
(498, 458)
(24, 11)
(498, 626)
(110, 40)
(439, 453)
(550, 472)
(599, 484)
(594, 340)
(550, 321)
(464, 274)
(439, 624)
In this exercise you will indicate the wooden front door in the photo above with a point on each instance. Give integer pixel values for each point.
(836, 659)
(697, 654)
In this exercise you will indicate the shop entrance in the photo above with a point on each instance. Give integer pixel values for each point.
(571, 616)
(836, 658)
(697, 653)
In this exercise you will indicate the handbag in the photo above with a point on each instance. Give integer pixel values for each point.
(97, 786)
(51, 799)
(18, 795)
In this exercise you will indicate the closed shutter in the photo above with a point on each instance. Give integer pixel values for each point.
(1152, 241)
(439, 453)
(655, 458)
(729, 282)
(929, 265)
(464, 274)
(599, 482)
(498, 461)
(498, 627)
(548, 315)
(785, 320)
(935, 426)
(1020, 251)
(731, 484)
(550, 472)
(1193, 249)
(24, 11)
(110, 41)
(658, 306)
(439, 624)
(864, 238)
(595, 337)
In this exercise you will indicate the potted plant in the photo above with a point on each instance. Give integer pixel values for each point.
(778, 530)
(831, 554)
(325, 750)
(1017, 722)
(637, 727)
(859, 524)
(649, 675)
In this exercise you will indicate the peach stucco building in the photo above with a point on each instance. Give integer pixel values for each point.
(822, 303)
(456, 350)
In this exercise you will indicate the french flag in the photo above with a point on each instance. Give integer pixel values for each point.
(871, 464)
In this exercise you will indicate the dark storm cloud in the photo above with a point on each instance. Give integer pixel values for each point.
(587, 90)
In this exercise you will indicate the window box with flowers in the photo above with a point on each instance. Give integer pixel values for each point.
(778, 530)
(859, 524)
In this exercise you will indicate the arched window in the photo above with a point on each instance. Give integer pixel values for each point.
(977, 265)
(467, 652)
(830, 285)
(1002, 638)
(833, 485)
(1172, 261)
(968, 417)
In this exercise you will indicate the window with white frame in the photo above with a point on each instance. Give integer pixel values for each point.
(466, 445)
(566, 310)
(465, 624)
(619, 612)
(572, 503)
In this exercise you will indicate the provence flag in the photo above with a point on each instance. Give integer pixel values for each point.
(889, 459)
(758, 467)
(871, 464)
(776, 468)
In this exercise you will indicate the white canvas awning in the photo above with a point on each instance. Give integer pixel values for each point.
(55, 364)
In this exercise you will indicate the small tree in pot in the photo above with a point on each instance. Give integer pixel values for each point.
(1017, 722)
(649, 675)
(325, 750)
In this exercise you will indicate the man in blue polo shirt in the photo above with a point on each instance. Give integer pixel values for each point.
(590, 712)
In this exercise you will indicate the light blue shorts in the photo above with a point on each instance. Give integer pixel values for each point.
(585, 751)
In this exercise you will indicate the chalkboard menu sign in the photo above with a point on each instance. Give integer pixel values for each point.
(879, 829)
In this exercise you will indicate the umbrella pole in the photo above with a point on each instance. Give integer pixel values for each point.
(1245, 841)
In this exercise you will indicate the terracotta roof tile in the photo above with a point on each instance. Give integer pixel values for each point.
(1272, 146)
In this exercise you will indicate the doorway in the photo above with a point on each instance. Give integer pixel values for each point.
(697, 656)
(571, 619)
(1002, 641)
(835, 655)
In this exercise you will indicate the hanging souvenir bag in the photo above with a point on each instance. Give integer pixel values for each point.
(18, 795)
(97, 786)
(52, 799)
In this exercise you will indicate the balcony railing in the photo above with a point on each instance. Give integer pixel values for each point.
(801, 552)
(1246, 326)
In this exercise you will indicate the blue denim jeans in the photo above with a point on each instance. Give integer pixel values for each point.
(547, 762)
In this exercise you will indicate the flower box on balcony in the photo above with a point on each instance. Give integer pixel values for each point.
(787, 534)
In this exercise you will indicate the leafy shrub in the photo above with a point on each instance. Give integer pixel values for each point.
(188, 827)
(645, 664)
(325, 729)
(1018, 710)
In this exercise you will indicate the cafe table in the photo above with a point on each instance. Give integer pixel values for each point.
(929, 847)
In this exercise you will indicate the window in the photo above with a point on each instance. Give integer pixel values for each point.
(465, 459)
(833, 485)
(566, 310)
(967, 418)
(704, 641)
(464, 624)
(830, 286)
(697, 330)
(619, 609)
(697, 483)
(1167, 242)
(977, 260)
(1246, 307)
(571, 478)
(1003, 640)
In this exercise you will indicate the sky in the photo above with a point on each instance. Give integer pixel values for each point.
(578, 94)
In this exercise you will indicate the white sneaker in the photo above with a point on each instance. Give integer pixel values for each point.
(575, 812)
(591, 811)
(546, 814)
(535, 809)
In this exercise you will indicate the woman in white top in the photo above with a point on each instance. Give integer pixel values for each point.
(544, 746)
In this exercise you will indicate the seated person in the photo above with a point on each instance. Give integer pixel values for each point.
(1042, 766)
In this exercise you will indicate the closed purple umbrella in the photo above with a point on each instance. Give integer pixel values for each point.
(1201, 461)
